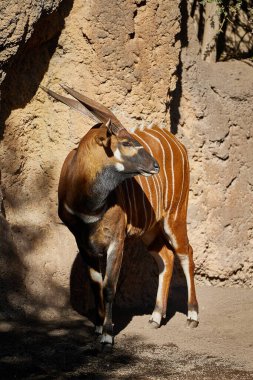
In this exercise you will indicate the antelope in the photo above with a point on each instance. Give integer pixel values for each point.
(116, 185)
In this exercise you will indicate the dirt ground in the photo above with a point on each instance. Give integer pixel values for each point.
(220, 348)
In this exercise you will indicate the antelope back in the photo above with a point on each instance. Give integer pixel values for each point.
(148, 200)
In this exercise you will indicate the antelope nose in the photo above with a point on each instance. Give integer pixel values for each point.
(156, 167)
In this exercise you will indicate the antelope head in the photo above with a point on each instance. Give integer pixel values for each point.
(124, 152)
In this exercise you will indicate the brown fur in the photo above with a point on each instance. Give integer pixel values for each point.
(104, 197)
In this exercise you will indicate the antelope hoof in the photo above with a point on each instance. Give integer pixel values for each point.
(192, 324)
(155, 319)
(105, 348)
(104, 343)
(153, 324)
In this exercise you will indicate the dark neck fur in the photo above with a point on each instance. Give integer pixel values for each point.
(106, 181)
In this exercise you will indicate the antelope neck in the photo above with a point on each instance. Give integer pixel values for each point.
(105, 182)
(92, 205)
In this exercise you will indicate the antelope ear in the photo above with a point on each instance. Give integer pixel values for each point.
(103, 141)
(112, 128)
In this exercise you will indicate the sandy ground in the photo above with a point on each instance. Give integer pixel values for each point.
(220, 348)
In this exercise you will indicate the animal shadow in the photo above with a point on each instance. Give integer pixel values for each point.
(136, 290)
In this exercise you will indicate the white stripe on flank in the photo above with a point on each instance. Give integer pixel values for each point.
(151, 204)
(143, 202)
(172, 172)
(129, 203)
(158, 196)
(117, 155)
(164, 170)
(155, 178)
(183, 179)
(134, 213)
(149, 190)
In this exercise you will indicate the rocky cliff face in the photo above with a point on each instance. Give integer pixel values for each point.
(128, 56)
(216, 121)
(18, 24)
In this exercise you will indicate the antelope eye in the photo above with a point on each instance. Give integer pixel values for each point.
(126, 143)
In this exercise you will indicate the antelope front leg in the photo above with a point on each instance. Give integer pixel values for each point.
(113, 265)
(97, 287)
(96, 282)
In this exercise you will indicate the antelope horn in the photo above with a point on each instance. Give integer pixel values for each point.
(72, 103)
(100, 111)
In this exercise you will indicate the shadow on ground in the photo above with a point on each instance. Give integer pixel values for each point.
(65, 350)
(136, 290)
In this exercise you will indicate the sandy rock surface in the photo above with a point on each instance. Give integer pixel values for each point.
(220, 348)
(216, 125)
(139, 59)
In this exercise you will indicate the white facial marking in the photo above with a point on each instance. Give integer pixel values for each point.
(139, 147)
(96, 276)
(117, 155)
(119, 167)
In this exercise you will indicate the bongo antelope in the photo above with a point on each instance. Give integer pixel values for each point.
(111, 187)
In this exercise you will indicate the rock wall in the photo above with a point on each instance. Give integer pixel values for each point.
(17, 26)
(215, 119)
(128, 56)
(122, 53)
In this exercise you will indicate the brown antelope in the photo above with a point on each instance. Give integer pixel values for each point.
(111, 188)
